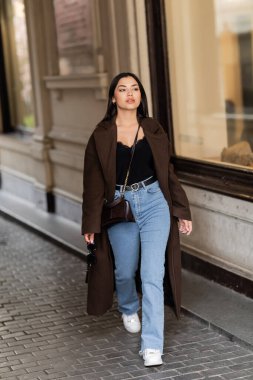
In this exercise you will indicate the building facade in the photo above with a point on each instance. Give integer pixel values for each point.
(195, 59)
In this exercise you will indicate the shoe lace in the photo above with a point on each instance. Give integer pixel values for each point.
(131, 319)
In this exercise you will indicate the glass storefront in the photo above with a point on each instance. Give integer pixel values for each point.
(74, 36)
(210, 48)
(17, 64)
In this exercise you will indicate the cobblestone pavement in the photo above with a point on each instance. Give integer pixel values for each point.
(46, 334)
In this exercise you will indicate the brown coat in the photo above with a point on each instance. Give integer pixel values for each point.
(99, 184)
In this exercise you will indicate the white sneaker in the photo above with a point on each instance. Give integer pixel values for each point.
(131, 323)
(151, 357)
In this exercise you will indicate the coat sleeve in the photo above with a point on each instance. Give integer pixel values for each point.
(93, 190)
(180, 203)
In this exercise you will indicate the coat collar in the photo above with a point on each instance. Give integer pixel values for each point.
(148, 124)
(105, 136)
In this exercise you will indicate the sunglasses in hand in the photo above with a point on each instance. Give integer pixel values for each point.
(91, 257)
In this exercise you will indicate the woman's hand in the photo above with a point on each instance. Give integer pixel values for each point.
(185, 226)
(89, 238)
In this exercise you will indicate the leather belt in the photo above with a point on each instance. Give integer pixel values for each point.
(138, 185)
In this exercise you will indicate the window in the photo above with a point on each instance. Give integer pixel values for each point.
(210, 46)
(74, 36)
(17, 64)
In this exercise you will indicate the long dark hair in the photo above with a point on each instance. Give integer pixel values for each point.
(142, 110)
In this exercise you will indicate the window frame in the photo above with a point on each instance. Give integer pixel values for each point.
(224, 179)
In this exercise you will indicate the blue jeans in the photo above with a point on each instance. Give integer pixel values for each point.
(151, 231)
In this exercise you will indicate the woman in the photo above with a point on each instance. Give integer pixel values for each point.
(158, 203)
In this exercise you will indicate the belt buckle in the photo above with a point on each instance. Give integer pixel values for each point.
(135, 186)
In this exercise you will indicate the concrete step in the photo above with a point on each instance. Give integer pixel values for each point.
(221, 307)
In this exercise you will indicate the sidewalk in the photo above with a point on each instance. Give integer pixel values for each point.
(46, 334)
(217, 306)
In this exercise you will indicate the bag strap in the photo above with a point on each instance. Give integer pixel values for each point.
(130, 162)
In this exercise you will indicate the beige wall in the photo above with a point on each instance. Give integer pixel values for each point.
(222, 231)
(79, 103)
(69, 107)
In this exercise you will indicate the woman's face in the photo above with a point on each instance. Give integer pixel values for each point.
(127, 94)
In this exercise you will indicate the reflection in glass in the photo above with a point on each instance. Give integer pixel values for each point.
(22, 86)
(74, 36)
(211, 66)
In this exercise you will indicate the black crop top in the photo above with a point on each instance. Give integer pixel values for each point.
(142, 166)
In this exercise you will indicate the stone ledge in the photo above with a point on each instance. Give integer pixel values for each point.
(96, 81)
(16, 143)
(220, 307)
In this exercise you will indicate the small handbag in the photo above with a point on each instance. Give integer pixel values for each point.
(119, 210)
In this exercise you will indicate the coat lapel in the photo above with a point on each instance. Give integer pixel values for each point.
(159, 145)
(105, 136)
